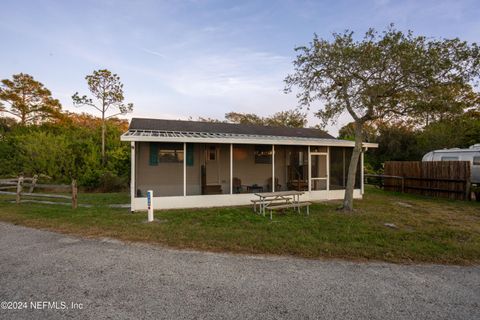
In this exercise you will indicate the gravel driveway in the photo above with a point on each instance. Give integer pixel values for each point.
(109, 279)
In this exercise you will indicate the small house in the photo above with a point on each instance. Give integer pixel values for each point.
(191, 164)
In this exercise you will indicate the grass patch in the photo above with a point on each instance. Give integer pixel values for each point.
(428, 230)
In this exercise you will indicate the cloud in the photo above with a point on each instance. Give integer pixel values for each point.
(240, 71)
(155, 53)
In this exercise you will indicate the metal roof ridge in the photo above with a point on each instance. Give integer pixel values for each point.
(221, 134)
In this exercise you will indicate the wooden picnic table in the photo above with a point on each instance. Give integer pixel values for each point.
(267, 198)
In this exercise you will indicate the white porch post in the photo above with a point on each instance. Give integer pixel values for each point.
(273, 168)
(361, 175)
(344, 184)
(132, 176)
(309, 171)
(184, 169)
(328, 168)
(231, 168)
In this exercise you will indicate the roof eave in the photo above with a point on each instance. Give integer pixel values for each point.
(246, 140)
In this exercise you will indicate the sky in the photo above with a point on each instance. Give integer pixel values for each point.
(199, 58)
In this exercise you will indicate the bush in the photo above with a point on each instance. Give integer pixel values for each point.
(64, 151)
(110, 182)
(90, 179)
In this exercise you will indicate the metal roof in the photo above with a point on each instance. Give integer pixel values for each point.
(225, 128)
(210, 137)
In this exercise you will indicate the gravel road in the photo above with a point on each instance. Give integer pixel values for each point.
(108, 279)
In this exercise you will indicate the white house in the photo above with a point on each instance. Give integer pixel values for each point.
(201, 164)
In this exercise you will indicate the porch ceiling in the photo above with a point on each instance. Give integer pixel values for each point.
(209, 137)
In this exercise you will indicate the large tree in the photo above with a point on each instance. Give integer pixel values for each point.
(370, 132)
(107, 89)
(381, 76)
(28, 100)
(243, 118)
(446, 102)
(288, 118)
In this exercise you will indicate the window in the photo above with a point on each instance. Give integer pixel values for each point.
(166, 153)
(476, 161)
(190, 154)
(212, 153)
(450, 158)
(318, 149)
(263, 154)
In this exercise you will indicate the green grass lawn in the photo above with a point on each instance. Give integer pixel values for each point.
(429, 230)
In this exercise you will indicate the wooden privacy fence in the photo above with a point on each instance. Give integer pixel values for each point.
(447, 179)
(20, 183)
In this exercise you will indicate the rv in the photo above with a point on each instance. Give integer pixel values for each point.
(471, 154)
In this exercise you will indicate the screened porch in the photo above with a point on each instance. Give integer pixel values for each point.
(173, 169)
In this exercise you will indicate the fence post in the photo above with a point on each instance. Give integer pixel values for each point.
(74, 194)
(468, 189)
(403, 184)
(19, 189)
(34, 183)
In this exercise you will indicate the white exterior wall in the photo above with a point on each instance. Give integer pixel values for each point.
(149, 177)
(164, 178)
(220, 200)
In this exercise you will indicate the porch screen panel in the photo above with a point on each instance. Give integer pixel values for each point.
(160, 168)
(295, 168)
(280, 168)
(252, 168)
(337, 168)
(224, 167)
(210, 172)
(339, 163)
(195, 161)
(319, 171)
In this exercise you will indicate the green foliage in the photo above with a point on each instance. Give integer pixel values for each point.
(289, 118)
(47, 153)
(66, 150)
(429, 229)
(110, 182)
(107, 89)
(243, 118)
(395, 143)
(385, 75)
(460, 132)
(347, 132)
(382, 76)
(28, 99)
(403, 142)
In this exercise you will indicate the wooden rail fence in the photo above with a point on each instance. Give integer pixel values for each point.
(447, 179)
(21, 182)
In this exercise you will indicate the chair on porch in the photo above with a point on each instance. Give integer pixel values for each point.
(298, 185)
(237, 185)
(278, 186)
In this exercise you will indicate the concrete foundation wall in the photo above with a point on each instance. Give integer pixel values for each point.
(222, 200)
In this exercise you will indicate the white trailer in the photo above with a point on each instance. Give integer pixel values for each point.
(471, 154)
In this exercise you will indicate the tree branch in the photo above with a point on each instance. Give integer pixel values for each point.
(113, 115)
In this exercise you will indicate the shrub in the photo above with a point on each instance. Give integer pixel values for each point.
(110, 182)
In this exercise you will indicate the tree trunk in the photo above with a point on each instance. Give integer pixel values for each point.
(103, 139)
(352, 169)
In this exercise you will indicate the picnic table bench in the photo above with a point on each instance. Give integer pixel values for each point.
(279, 201)
(297, 205)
